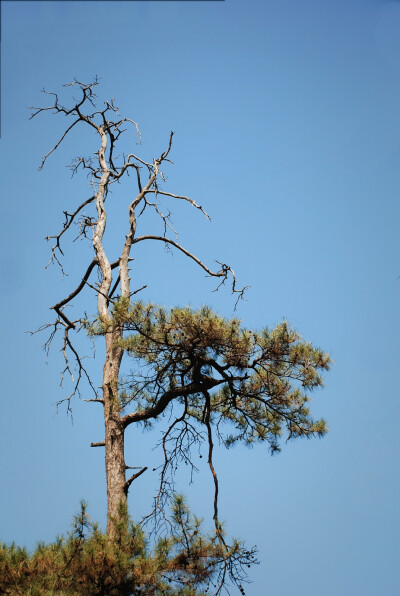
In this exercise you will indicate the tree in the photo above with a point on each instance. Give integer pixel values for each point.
(208, 374)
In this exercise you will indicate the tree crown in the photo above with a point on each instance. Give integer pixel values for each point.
(257, 382)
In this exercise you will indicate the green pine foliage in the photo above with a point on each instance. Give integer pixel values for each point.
(88, 562)
(245, 386)
(258, 383)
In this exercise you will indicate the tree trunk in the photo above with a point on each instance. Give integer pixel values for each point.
(115, 473)
(114, 435)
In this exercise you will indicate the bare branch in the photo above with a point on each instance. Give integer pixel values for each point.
(132, 478)
(166, 218)
(96, 401)
(55, 327)
(188, 199)
(58, 143)
(57, 307)
(97, 290)
(138, 290)
(82, 372)
(113, 289)
(70, 324)
(69, 218)
(223, 273)
(182, 441)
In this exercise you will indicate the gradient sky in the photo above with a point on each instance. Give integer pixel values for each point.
(287, 131)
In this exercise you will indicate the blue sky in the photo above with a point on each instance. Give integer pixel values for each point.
(287, 131)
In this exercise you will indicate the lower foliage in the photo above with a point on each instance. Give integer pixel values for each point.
(185, 562)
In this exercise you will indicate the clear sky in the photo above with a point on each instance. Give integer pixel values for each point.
(287, 130)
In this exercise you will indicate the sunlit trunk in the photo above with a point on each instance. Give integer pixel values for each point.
(114, 435)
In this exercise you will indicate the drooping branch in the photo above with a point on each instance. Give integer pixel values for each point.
(182, 435)
(222, 273)
(58, 143)
(69, 219)
(55, 327)
(82, 371)
(183, 198)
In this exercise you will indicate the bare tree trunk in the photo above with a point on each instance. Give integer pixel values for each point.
(114, 431)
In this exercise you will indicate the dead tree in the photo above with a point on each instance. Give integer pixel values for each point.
(205, 371)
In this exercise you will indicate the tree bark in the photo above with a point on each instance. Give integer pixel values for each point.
(114, 434)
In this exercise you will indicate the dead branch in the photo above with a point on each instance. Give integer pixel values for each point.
(132, 478)
(223, 273)
(98, 291)
(96, 401)
(65, 301)
(188, 199)
(165, 218)
(81, 370)
(179, 451)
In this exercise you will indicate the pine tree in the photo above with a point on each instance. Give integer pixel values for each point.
(209, 376)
